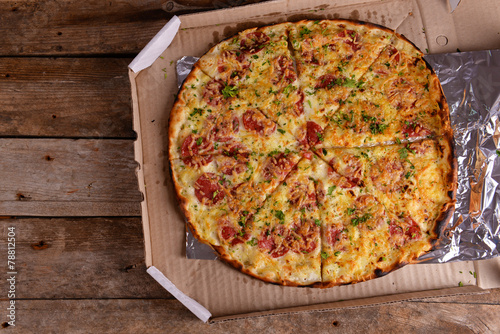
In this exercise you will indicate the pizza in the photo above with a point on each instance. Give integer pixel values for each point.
(314, 153)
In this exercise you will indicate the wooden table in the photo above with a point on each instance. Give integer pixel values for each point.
(68, 187)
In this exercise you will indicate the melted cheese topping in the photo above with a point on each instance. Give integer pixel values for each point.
(370, 194)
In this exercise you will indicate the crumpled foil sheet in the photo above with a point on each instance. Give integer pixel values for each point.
(471, 83)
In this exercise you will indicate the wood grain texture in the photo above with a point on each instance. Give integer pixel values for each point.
(79, 258)
(65, 27)
(65, 97)
(169, 316)
(34, 171)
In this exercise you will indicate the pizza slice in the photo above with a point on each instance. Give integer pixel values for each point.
(257, 66)
(361, 238)
(412, 180)
(284, 243)
(400, 98)
(331, 58)
(194, 116)
(233, 187)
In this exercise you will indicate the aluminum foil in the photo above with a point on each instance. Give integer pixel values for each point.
(471, 83)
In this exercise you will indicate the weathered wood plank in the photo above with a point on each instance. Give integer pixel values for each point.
(79, 258)
(65, 27)
(169, 316)
(35, 171)
(65, 97)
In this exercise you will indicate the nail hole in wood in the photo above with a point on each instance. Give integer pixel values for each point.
(7, 75)
(59, 33)
(39, 246)
(21, 197)
(48, 158)
(54, 116)
(5, 324)
(335, 323)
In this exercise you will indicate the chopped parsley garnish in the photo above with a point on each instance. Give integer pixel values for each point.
(317, 222)
(324, 255)
(337, 253)
(356, 220)
(198, 111)
(281, 131)
(304, 31)
(199, 141)
(324, 152)
(376, 128)
(252, 242)
(280, 215)
(403, 153)
(229, 91)
(331, 189)
(350, 211)
(409, 174)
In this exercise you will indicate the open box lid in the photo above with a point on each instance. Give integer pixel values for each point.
(211, 289)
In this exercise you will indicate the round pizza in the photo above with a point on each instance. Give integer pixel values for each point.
(314, 153)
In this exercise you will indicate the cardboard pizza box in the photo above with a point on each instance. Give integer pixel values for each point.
(214, 291)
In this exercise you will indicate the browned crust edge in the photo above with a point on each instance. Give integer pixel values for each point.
(175, 116)
(441, 222)
(183, 204)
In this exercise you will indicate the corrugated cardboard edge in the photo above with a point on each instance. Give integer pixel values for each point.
(202, 313)
(138, 156)
(359, 303)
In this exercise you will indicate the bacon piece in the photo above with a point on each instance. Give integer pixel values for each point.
(386, 174)
(284, 74)
(302, 197)
(414, 129)
(254, 42)
(272, 242)
(304, 236)
(227, 127)
(232, 164)
(401, 93)
(197, 161)
(256, 122)
(326, 81)
(334, 235)
(403, 231)
(212, 94)
(277, 166)
(208, 189)
(351, 38)
(350, 168)
(195, 145)
(298, 107)
(314, 133)
(231, 235)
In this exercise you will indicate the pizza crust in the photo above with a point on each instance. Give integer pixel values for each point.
(236, 237)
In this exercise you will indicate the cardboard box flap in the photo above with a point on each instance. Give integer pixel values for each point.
(156, 46)
(488, 273)
(359, 303)
(464, 29)
(202, 313)
(211, 285)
